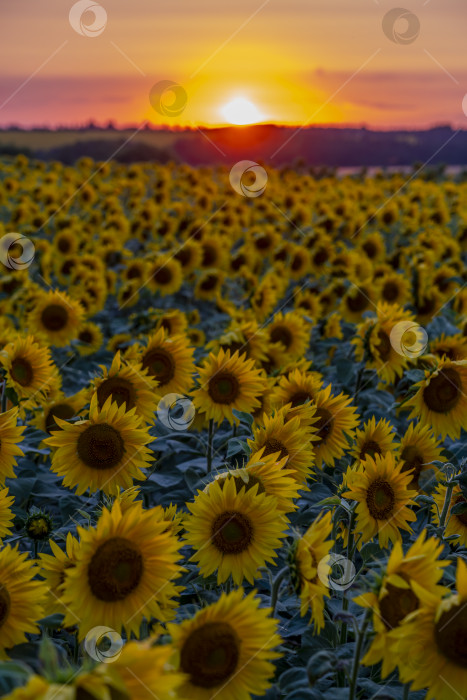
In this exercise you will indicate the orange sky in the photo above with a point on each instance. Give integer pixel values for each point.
(297, 61)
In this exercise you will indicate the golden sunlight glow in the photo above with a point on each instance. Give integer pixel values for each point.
(241, 111)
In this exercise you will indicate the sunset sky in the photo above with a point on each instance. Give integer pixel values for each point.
(295, 61)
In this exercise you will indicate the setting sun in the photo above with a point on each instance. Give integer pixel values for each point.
(241, 111)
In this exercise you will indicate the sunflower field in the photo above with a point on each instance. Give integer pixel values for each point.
(232, 434)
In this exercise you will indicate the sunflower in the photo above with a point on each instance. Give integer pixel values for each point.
(335, 425)
(441, 399)
(103, 453)
(90, 338)
(356, 301)
(21, 598)
(388, 343)
(432, 652)
(271, 475)
(263, 301)
(246, 337)
(29, 369)
(452, 347)
(296, 388)
(394, 288)
(53, 568)
(456, 524)
(227, 649)
(120, 341)
(173, 321)
(6, 514)
(380, 488)
(169, 360)
(56, 317)
(10, 436)
(417, 450)
(143, 670)
(209, 285)
(233, 532)
(164, 275)
(124, 572)
(402, 589)
(308, 560)
(189, 255)
(286, 438)
(196, 337)
(64, 407)
(291, 334)
(228, 382)
(129, 386)
(375, 438)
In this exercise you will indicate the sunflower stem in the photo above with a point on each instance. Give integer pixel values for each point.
(276, 584)
(358, 650)
(447, 503)
(210, 440)
(405, 695)
(35, 543)
(350, 553)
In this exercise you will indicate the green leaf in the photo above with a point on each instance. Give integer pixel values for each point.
(243, 417)
(459, 509)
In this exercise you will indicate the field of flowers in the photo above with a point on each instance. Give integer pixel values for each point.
(232, 436)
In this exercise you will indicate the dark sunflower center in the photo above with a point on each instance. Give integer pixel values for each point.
(162, 275)
(282, 334)
(272, 445)
(371, 448)
(223, 388)
(160, 364)
(380, 499)
(463, 516)
(444, 391)
(324, 423)
(451, 635)
(209, 283)
(412, 460)
(390, 291)
(232, 532)
(252, 481)
(60, 410)
(54, 317)
(210, 654)
(21, 371)
(86, 337)
(100, 446)
(357, 302)
(299, 398)
(383, 346)
(115, 570)
(121, 391)
(396, 605)
(209, 255)
(5, 605)
(370, 249)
